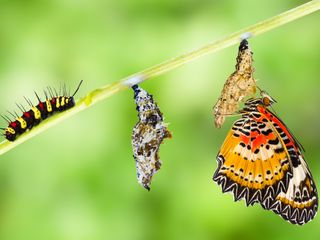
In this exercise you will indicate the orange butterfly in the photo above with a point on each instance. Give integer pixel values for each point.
(261, 161)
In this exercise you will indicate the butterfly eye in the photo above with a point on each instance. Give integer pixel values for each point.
(266, 101)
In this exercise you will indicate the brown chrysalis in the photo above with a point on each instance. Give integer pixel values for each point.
(147, 136)
(239, 85)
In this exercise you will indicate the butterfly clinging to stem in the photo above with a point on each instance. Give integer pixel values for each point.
(262, 162)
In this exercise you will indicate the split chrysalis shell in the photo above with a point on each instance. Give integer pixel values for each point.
(238, 86)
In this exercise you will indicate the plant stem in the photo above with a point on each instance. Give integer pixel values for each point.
(107, 91)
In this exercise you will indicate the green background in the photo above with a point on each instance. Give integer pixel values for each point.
(77, 180)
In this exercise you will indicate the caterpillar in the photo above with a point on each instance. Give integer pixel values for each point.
(44, 109)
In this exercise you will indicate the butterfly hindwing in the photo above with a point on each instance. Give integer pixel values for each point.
(299, 203)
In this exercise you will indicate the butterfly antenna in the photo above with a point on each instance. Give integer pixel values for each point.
(259, 89)
(273, 110)
(263, 93)
(77, 88)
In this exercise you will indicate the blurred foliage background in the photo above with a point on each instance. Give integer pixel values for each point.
(78, 181)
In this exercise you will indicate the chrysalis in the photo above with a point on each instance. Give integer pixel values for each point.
(239, 85)
(147, 136)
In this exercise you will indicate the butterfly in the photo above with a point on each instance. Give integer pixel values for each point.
(261, 162)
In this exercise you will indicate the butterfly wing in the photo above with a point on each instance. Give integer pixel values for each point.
(252, 162)
(299, 203)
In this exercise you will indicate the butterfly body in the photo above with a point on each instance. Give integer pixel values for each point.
(262, 162)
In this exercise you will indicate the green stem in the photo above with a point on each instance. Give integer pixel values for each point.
(107, 91)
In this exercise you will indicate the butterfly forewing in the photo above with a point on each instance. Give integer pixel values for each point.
(252, 163)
